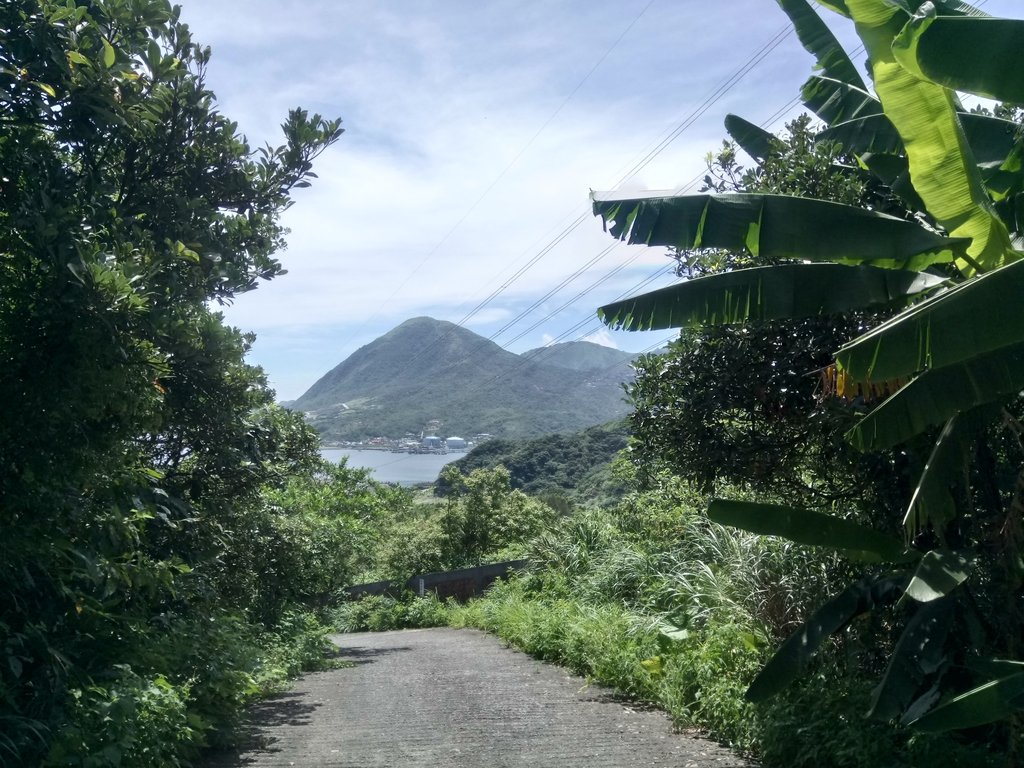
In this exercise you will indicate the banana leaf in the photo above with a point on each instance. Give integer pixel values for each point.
(942, 165)
(947, 7)
(817, 38)
(937, 395)
(774, 227)
(987, 703)
(754, 140)
(894, 171)
(992, 139)
(835, 101)
(767, 293)
(799, 648)
(938, 573)
(952, 7)
(805, 526)
(984, 56)
(1011, 211)
(932, 503)
(919, 654)
(974, 318)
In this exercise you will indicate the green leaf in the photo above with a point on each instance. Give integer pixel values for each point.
(675, 633)
(774, 227)
(919, 654)
(970, 320)
(807, 527)
(988, 703)
(938, 574)
(818, 39)
(767, 293)
(942, 166)
(77, 58)
(1011, 211)
(945, 50)
(792, 656)
(653, 666)
(991, 139)
(838, 6)
(47, 89)
(108, 54)
(937, 395)
(835, 101)
(932, 503)
(755, 141)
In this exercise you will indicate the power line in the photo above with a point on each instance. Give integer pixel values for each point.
(648, 157)
(430, 254)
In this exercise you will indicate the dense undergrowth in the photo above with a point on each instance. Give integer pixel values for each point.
(655, 601)
(666, 607)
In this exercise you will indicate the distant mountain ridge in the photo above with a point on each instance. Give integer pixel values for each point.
(428, 370)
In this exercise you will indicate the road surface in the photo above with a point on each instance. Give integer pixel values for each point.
(446, 698)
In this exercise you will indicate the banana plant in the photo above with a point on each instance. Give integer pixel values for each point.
(956, 348)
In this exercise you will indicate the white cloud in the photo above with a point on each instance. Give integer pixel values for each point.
(474, 132)
(602, 337)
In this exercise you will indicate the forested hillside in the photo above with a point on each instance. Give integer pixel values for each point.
(576, 466)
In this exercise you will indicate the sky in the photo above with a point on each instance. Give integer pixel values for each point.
(474, 133)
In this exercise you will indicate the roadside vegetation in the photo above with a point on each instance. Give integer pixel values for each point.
(151, 582)
(822, 559)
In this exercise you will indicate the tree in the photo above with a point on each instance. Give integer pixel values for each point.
(483, 515)
(742, 404)
(133, 436)
(949, 361)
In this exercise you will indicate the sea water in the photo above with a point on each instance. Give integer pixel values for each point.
(401, 468)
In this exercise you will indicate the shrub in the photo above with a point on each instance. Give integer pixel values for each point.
(379, 613)
(128, 720)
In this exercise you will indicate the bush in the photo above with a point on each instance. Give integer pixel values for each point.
(130, 721)
(379, 613)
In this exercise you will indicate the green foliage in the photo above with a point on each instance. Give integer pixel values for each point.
(379, 613)
(484, 519)
(912, 140)
(653, 599)
(136, 444)
(576, 465)
(127, 721)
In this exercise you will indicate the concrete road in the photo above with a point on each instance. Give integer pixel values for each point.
(443, 698)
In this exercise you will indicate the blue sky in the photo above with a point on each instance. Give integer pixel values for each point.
(474, 132)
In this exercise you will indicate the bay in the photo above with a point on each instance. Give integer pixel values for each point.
(401, 468)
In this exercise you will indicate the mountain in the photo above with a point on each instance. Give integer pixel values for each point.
(579, 356)
(428, 370)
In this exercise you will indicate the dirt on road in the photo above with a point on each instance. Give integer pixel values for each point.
(440, 698)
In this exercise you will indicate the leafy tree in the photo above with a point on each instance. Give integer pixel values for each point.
(484, 515)
(950, 361)
(134, 439)
(742, 405)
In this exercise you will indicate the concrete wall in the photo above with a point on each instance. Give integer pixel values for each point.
(461, 584)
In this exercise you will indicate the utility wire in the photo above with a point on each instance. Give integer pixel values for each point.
(430, 254)
(717, 94)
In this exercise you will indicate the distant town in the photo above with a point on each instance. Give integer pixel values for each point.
(411, 443)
